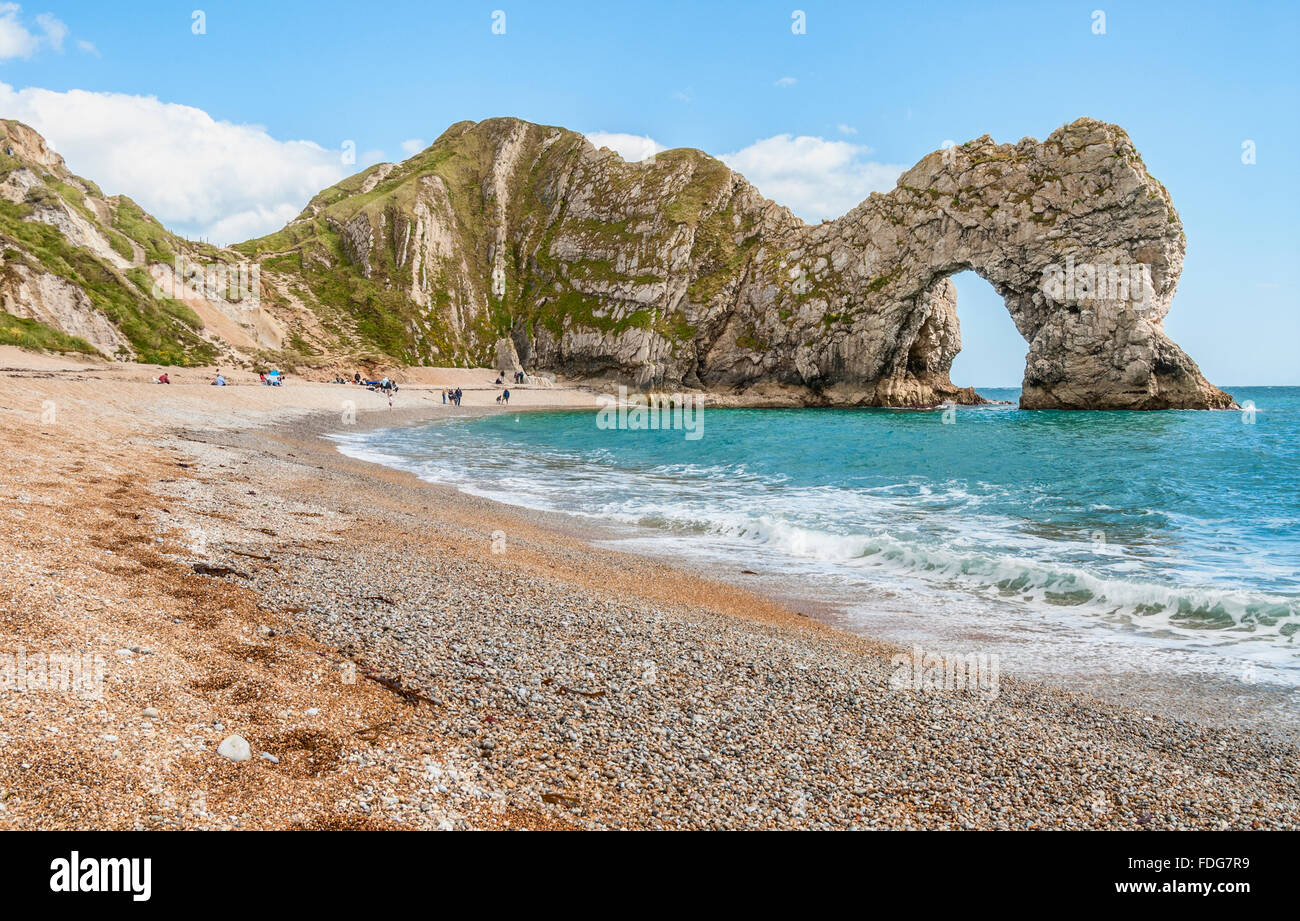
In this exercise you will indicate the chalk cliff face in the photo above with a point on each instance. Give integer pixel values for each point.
(676, 271)
(673, 272)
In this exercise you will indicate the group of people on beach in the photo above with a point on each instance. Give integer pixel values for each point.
(454, 396)
(383, 385)
(500, 381)
(268, 379)
(386, 385)
(275, 378)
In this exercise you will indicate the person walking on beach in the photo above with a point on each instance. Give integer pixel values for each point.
(444, 396)
(506, 397)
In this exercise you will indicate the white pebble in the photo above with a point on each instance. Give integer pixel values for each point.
(234, 748)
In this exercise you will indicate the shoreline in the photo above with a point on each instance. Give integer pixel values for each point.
(1197, 696)
(355, 624)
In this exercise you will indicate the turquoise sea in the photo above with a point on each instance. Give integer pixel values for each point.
(1073, 543)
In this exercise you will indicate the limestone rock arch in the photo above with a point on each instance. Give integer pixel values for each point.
(1081, 242)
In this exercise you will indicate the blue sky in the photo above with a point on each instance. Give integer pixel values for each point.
(878, 86)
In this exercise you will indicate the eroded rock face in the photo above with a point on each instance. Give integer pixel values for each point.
(58, 303)
(1083, 245)
(860, 310)
(507, 358)
(88, 266)
(677, 272)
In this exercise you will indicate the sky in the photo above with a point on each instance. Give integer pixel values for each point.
(223, 119)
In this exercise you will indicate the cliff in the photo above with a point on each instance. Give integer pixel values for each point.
(675, 272)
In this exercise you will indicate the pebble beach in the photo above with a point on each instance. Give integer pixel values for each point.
(396, 654)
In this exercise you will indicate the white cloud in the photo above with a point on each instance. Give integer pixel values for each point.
(18, 41)
(54, 29)
(250, 222)
(87, 47)
(813, 177)
(413, 146)
(199, 176)
(15, 40)
(631, 147)
(847, 129)
(785, 81)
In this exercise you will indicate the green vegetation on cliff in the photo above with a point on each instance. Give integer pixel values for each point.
(32, 334)
(504, 224)
(160, 330)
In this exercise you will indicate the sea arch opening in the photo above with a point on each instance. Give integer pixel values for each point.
(998, 321)
(993, 351)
